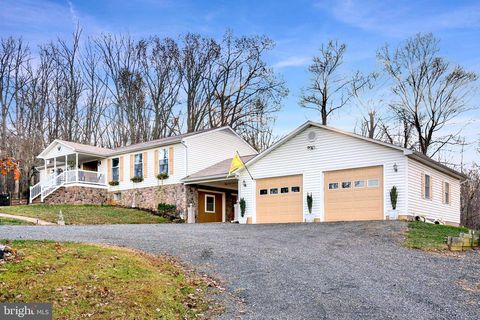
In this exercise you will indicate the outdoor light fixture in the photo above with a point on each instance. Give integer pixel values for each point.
(395, 167)
(244, 184)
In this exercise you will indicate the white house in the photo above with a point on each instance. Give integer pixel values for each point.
(84, 174)
(349, 177)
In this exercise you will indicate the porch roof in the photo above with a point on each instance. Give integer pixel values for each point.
(72, 147)
(216, 171)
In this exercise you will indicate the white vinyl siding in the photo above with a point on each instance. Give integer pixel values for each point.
(433, 208)
(209, 148)
(329, 148)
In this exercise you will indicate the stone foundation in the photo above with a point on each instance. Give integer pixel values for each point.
(77, 195)
(149, 197)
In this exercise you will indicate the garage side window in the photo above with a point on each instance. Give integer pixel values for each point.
(373, 183)
(427, 186)
(346, 185)
(333, 185)
(359, 184)
(446, 191)
(263, 192)
(209, 203)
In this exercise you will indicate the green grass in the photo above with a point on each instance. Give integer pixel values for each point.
(7, 221)
(426, 236)
(98, 282)
(84, 214)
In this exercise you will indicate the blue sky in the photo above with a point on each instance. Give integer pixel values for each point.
(297, 27)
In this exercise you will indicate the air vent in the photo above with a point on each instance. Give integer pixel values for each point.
(312, 136)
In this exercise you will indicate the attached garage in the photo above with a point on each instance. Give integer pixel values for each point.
(354, 194)
(279, 199)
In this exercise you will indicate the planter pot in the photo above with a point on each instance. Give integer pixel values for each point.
(393, 215)
(309, 217)
(242, 220)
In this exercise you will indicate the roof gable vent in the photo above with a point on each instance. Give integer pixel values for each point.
(312, 136)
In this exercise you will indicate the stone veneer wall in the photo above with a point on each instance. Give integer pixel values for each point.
(77, 195)
(149, 197)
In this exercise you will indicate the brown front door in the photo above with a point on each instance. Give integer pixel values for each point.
(209, 206)
(90, 166)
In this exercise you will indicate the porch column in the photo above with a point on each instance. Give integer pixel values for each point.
(76, 166)
(54, 166)
(66, 165)
(45, 165)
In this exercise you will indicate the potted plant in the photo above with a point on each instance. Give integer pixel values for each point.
(243, 206)
(309, 217)
(393, 215)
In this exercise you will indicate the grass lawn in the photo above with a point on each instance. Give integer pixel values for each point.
(6, 221)
(97, 282)
(84, 214)
(426, 236)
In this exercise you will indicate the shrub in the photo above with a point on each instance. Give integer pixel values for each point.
(243, 206)
(167, 209)
(114, 183)
(137, 179)
(162, 176)
(394, 197)
(309, 202)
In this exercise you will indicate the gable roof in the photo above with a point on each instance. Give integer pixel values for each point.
(218, 170)
(105, 152)
(407, 152)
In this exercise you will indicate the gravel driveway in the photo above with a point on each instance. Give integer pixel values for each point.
(352, 270)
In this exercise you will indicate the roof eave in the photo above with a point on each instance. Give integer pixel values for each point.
(211, 178)
(437, 166)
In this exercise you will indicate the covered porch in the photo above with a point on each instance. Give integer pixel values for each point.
(66, 165)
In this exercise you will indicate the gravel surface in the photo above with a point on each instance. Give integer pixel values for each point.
(356, 270)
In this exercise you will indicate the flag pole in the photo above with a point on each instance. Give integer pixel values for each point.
(245, 165)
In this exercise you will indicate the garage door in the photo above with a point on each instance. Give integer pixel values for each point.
(354, 194)
(279, 199)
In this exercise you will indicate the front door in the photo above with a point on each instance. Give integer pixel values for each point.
(210, 206)
(90, 166)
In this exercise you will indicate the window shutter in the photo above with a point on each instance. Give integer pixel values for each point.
(120, 176)
(109, 170)
(132, 159)
(145, 161)
(170, 160)
(443, 192)
(423, 185)
(155, 162)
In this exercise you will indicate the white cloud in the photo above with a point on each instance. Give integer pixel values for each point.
(293, 61)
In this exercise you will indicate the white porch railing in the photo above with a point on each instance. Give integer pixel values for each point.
(53, 182)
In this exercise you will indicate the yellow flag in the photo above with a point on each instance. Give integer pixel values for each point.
(237, 163)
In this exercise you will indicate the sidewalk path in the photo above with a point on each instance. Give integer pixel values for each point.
(27, 219)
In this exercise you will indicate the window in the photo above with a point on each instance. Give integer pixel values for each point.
(346, 185)
(209, 203)
(333, 185)
(163, 162)
(295, 189)
(263, 192)
(274, 191)
(117, 196)
(115, 169)
(427, 192)
(446, 190)
(373, 183)
(138, 165)
(359, 184)
(284, 190)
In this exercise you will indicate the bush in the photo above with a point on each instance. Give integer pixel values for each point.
(167, 209)
(309, 202)
(394, 197)
(114, 183)
(136, 179)
(243, 206)
(162, 176)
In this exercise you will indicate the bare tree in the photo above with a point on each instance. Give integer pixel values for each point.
(430, 93)
(470, 198)
(329, 89)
